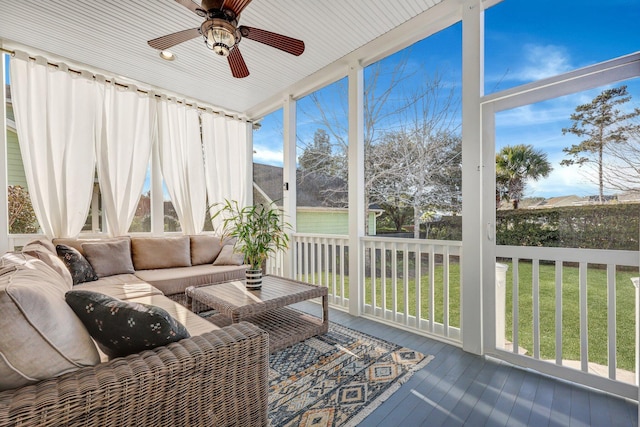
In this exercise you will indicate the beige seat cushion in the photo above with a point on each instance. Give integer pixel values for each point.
(121, 286)
(41, 336)
(195, 324)
(175, 280)
(160, 252)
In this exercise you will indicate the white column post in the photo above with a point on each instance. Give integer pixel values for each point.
(356, 186)
(4, 216)
(289, 178)
(473, 224)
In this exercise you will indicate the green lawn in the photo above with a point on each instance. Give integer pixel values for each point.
(596, 306)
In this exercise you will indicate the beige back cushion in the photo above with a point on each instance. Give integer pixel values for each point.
(204, 249)
(41, 336)
(110, 257)
(63, 281)
(77, 243)
(160, 252)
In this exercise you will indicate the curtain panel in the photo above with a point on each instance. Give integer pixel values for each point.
(181, 160)
(55, 112)
(123, 148)
(225, 153)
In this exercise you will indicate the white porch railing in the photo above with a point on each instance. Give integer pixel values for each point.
(600, 301)
(323, 260)
(407, 282)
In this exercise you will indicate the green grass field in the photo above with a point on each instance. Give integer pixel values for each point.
(596, 308)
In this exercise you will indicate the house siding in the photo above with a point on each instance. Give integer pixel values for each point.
(15, 168)
(327, 222)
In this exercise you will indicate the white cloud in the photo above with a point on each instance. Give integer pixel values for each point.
(543, 61)
(267, 155)
(562, 181)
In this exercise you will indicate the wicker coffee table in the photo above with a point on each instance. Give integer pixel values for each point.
(265, 308)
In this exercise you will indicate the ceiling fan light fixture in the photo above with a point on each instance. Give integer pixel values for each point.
(219, 36)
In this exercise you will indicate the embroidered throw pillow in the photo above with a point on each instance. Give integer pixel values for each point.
(120, 327)
(80, 269)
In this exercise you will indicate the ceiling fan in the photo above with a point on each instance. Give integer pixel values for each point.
(222, 34)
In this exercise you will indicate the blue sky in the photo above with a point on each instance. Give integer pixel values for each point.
(524, 41)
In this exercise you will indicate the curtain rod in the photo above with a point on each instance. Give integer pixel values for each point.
(12, 53)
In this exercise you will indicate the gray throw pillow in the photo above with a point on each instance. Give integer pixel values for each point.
(109, 258)
(205, 249)
(228, 256)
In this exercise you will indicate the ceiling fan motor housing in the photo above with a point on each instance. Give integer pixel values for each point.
(220, 35)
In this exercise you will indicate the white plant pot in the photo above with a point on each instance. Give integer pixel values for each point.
(253, 279)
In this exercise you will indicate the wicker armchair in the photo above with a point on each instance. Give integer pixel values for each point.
(216, 379)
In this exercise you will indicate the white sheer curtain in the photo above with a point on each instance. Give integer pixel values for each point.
(225, 148)
(55, 113)
(182, 162)
(123, 148)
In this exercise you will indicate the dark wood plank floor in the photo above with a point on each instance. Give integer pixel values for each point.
(457, 388)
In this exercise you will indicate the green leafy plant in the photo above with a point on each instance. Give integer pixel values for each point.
(259, 230)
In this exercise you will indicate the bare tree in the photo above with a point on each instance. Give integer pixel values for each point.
(402, 132)
(622, 162)
(603, 126)
(420, 162)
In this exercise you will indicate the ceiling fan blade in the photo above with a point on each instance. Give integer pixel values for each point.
(236, 5)
(193, 7)
(284, 43)
(236, 62)
(170, 40)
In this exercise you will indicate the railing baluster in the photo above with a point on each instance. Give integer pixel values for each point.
(611, 318)
(559, 267)
(405, 280)
(342, 275)
(445, 290)
(374, 247)
(418, 285)
(584, 337)
(514, 304)
(394, 283)
(432, 289)
(383, 281)
(535, 285)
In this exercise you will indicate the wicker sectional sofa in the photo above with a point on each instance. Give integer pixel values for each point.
(52, 373)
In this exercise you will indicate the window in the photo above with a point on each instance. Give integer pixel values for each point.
(22, 218)
(142, 218)
(413, 141)
(322, 148)
(268, 158)
(551, 184)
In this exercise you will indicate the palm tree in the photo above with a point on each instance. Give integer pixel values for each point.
(515, 165)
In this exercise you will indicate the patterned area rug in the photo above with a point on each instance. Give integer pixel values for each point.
(336, 379)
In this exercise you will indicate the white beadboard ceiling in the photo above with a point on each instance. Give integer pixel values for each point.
(111, 35)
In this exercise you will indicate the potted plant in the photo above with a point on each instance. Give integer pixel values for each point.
(259, 231)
